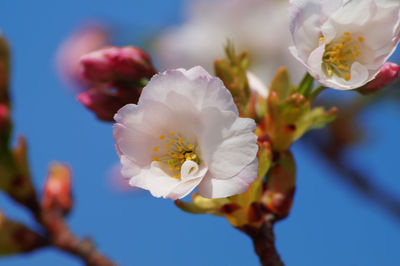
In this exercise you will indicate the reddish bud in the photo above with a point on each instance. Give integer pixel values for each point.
(57, 196)
(4, 115)
(105, 104)
(115, 65)
(389, 71)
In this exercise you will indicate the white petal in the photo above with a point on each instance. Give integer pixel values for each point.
(155, 180)
(212, 187)
(192, 175)
(195, 84)
(228, 144)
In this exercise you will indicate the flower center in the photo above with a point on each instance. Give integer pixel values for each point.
(173, 152)
(338, 57)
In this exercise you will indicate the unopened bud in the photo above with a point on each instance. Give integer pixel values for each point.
(114, 65)
(57, 196)
(105, 104)
(389, 71)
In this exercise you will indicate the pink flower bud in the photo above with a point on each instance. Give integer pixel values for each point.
(388, 73)
(57, 189)
(4, 115)
(114, 65)
(106, 104)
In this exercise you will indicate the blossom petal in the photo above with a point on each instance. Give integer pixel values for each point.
(195, 84)
(227, 136)
(192, 174)
(220, 188)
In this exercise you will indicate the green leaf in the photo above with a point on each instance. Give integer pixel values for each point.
(281, 84)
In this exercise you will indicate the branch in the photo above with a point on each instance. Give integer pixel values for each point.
(264, 243)
(61, 237)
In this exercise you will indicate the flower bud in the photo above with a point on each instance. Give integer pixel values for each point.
(57, 195)
(114, 65)
(106, 104)
(389, 71)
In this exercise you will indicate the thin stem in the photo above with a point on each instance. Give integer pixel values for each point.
(316, 92)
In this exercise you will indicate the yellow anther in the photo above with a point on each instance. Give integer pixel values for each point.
(347, 33)
(329, 72)
(180, 148)
(190, 146)
(360, 39)
(177, 168)
(193, 156)
(180, 140)
(155, 149)
(355, 47)
(176, 176)
(172, 141)
(162, 137)
(170, 167)
(156, 159)
(321, 39)
(347, 76)
(167, 145)
(172, 133)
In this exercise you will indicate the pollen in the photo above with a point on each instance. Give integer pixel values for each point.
(162, 137)
(360, 39)
(155, 149)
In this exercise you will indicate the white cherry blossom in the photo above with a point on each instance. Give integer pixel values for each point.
(344, 43)
(184, 133)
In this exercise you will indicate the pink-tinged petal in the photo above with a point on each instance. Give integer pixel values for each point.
(228, 143)
(212, 187)
(196, 84)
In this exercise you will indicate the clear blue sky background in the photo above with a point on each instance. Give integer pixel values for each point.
(330, 225)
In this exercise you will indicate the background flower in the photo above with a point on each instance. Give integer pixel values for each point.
(344, 44)
(258, 26)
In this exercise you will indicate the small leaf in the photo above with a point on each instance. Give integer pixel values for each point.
(17, 238)
(281, 83)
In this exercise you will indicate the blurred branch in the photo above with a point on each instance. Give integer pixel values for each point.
(345, 132)
(16, 182)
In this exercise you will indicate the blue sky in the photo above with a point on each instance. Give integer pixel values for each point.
(330, 224)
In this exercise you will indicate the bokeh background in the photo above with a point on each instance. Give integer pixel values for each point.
(331, 223)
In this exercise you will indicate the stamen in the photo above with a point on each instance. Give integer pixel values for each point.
(339, 57)
(175, 153)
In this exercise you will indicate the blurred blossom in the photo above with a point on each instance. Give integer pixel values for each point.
(259, 26)
(116, 76)
(85, 39)
(184, 133)
(257, 85)
(343, 44)
(57, 195)
(389, 71)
